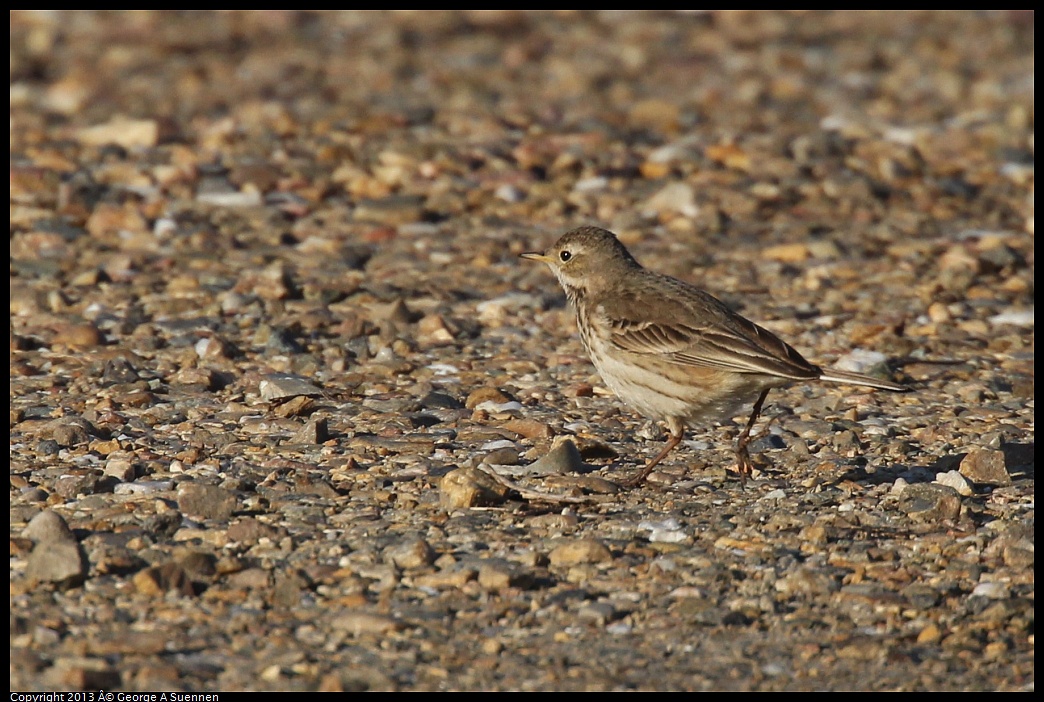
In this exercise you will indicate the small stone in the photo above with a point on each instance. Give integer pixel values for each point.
(1017, 318)
(499, 408)
(676, 198)
(787, 253)
(295, 407)
(730, 156)
(48, 447)
(360, 623)
(230, 198)
(288, 588)
(930, 502)
(69, 434)
(394, 311)
(143, 487)
(276, 386)
(813, 535)
(563, 458)
(470, 487)
(119, 370)
(487, 394)
(250, 530)
(578, 552)
(34, 494)
(529, 428)
(78, 336)
(392, 210)
(663, 530)
(506, 456)
(985, 467)
(439, 400)
(497, 574)
(85, 674)
(90, 484)
(104, 448)
(930, 634)
(599, 613)
(590, 185)
(158, 580)
(199, 565)
(432, 331)
(655, 113)
(128, 133)
(48, 527)
(314, 432)
(955, 480)
(415, 553)
(807, 581)
(861, 361)
(992, 590)
(250, 579)
(206, 501)
(214, 347)
(60, 563)
(121, 468)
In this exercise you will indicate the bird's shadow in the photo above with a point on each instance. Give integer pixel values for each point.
(1018, 458)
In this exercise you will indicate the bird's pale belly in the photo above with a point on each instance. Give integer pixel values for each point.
(661, 389)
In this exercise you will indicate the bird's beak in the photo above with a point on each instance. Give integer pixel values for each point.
(536, 256)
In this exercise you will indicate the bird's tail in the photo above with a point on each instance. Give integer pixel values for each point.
(839, 376)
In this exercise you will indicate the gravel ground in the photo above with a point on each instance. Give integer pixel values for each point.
(271, 341)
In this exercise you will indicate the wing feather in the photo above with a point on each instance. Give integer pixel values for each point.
(695, 329)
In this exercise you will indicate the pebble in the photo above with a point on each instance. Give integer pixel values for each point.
(529, 428)
(985, 467)
(955, 480)
(667, 531)
(128, 133)
(1016, 318)
(48, 527)
(392, 210)
(991, 590)
(414, 553)
(807, 582)
(143, 487)
(930, 502)
(364, 623)
(79, 336)
(677, 198)
(230, 198)
(579, 552)
(61, 564)
(496, 408)
(862, 361)
(470, 487)
(121, 468)
(206, 501)
(69, 431)
(486, 394)
(158, 580)
(787, 253)
(250, 530)
(279, 386)
(563, 459)
(496, 575)
(314, 431)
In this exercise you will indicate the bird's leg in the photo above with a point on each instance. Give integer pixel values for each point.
(677, 431)
(744, 465)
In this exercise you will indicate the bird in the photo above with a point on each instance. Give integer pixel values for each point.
(670, 350)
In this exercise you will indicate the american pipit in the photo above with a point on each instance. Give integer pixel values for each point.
(669, 349)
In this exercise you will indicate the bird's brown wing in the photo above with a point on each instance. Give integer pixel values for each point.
(690, 327)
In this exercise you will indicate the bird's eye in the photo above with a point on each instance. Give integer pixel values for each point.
(565, 256)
